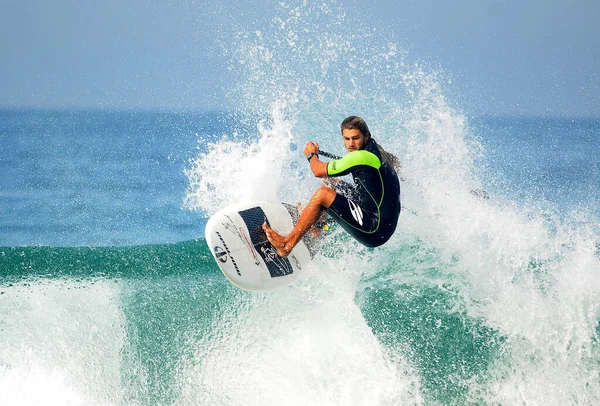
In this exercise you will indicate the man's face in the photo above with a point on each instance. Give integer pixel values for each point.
(353, 139)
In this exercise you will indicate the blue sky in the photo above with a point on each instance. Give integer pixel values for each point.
(504, 57)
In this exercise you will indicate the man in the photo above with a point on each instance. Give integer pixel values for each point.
(367, 210)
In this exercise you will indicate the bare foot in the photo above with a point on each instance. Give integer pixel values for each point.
(277, 240)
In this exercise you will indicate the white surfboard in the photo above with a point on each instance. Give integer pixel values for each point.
(241, 249)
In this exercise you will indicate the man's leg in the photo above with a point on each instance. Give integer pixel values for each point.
(320, 200)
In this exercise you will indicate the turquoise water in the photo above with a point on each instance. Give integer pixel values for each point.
(108, 293)
(471, 305)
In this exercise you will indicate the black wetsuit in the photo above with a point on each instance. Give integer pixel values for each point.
(369, 209)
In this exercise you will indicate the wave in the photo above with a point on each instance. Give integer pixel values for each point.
(477, 296)
(476, 299)
(186, 257)
(412, 322)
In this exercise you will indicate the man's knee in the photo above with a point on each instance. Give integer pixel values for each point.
(325, 196)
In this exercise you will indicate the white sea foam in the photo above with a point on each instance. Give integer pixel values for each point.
(520, 272)
(531, 276)
(307, 345)
(65, 345)
(239, 171)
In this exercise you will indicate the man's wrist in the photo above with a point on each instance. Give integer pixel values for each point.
(309, 157)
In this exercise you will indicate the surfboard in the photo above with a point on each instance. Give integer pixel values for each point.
(242, 251)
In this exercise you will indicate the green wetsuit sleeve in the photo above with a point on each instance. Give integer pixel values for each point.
(352, 160)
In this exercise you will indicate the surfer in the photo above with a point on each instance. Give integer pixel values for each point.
(368, 209)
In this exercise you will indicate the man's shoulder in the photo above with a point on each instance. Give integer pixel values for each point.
(365, 158)
(352, 162)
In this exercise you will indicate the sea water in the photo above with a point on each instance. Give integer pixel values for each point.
(488, 293)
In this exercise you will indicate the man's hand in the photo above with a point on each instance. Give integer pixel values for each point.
(311, 147)
(318, 168)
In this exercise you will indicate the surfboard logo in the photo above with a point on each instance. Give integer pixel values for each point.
(356, 212)
(220, 254)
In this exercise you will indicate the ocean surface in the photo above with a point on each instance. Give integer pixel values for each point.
(488, 293)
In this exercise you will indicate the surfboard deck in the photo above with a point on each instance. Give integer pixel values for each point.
(242, 251)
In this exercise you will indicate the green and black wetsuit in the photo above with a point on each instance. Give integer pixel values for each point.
(369, 210)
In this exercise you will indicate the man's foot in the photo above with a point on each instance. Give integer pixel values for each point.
(277, 240)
